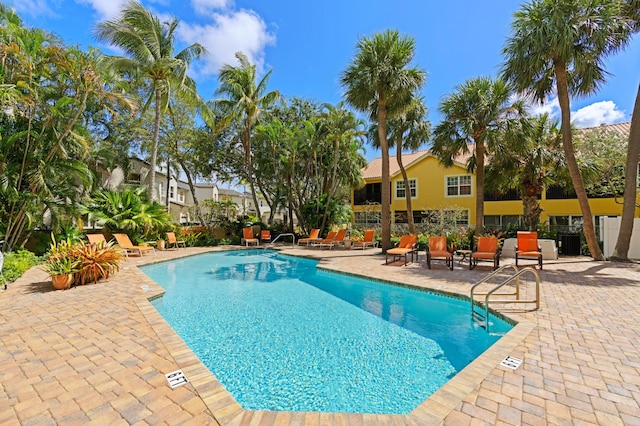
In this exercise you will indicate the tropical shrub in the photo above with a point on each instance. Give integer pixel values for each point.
(88, 262)
(130, 212)
(16, 263)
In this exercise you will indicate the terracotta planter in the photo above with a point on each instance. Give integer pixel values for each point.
(62, 281)
(161, 245)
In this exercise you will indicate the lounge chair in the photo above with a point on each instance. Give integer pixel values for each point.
(96, 239)
(333, 240)
(265, 236)
(407, 245)
(100, 240)
(329, 240)
(367, 242)
(527, 247)
(486, 250)
(173, 241)
(248, 238)
(437, 250)
(125, 243)
(312, 238)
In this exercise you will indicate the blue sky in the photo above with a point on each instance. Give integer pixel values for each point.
(309, 43)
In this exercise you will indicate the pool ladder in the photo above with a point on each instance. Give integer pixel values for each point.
(293, 238)
(483, 316)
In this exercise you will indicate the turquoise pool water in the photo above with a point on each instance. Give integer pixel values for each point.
(280, 334)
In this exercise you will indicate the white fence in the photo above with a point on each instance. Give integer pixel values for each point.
(610, 227)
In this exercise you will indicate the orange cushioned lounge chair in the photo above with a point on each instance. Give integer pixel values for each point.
(265, 236)
(100, 241)
(326, 241)
(437, 250)
(125, 243)
(173, 241)
(337, 240)
(407, 245)
(247, 236)
(487, 250)
(96, 239)
(368, 241)
(527, 247)
(312, 238)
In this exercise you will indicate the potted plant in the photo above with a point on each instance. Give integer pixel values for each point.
(61, 269)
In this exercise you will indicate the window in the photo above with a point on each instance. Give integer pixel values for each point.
(566, 223)
(458, 185)
(134, 179)
(501, 221)
(171, 193)
(400, 189)
(181, 196)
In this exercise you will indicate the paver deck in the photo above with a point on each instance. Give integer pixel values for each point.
(97, 354)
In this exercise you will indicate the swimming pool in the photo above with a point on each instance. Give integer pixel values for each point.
(280, 334)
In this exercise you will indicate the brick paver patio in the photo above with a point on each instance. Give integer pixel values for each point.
(98, 354)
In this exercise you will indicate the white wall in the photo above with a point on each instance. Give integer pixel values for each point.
(610, 227)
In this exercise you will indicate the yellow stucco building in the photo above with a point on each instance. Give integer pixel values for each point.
(435, 187)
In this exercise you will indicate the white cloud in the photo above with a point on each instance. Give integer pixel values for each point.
(242, 31)
(604, 112)
(549, 106)
(107, 9)
(33, 7)
(205, 7)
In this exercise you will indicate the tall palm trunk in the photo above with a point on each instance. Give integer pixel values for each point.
(621, 251)
(479, 184)
(407, 190)
(246, 142)
(386, 189)
(192, 188)
(154, 147)
(567, 143)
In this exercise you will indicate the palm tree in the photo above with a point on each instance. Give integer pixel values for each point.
(148, 45)
(409, 130)
(379, 82)
(559, 46)
(478, 116)
(629, 204)
(244, 101)
(621, 250)
(528, 165)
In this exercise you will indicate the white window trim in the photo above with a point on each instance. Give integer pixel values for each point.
(395, 189)
(446, 186)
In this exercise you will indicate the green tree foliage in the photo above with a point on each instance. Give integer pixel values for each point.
(602, 155)
(533, 161)
(478, 116)
(559, 47)
(48, 89)
(129, 211)
(379, 82)
(149, 45)
(409, 130)
(242, 102)
(310, 162)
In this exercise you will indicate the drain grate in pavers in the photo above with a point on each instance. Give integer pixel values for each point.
(511, 362)
(176, 378)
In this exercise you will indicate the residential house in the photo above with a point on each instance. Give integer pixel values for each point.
(180, 197)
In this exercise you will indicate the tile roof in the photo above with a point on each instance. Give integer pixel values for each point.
(623, 128)
(374, 168)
